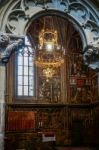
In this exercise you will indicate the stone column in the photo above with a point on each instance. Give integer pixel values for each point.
(8, 44)
(2, 106)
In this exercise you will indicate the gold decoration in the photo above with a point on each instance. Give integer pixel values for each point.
(49, 55)
(44, 64)
(48, 72)
(48, 39)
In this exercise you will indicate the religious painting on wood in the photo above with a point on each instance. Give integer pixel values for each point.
(95, 86)
(21, 120)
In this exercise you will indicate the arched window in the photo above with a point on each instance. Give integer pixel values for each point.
(21, 74)
(25, 70)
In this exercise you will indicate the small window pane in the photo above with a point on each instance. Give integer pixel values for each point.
(19, 90)
(20, 70)
(20, 60)
(31, 80)
(25, 70)
(31, 91)
(26, 90)
(26, 61)
(25, 80)
(31, 61)
(19, 80)
(31, 70)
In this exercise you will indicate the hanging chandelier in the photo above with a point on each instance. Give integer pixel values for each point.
(49, 55)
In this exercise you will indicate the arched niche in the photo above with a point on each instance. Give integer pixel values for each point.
(16, 17)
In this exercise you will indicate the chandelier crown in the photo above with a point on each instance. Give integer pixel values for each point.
(48, 39)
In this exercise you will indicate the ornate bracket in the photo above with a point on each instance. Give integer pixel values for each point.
(8, 44)
(91, 55)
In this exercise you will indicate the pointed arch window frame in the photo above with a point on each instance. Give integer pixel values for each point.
(25, 86)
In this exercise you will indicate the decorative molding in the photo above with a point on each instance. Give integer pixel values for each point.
(9, 43)
(91, 55)
(80, 12)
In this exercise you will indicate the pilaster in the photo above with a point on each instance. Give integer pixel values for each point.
(2, 106)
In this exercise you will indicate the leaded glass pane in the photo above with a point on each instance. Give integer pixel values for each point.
(25, 70)
(26, 61)
(31, 80)
(31, 90)
(25, 80)
(26, 90)
(20, 70)
(20, 80)
(31, 70)
(30, 61)
(19, 90)
(20, 60)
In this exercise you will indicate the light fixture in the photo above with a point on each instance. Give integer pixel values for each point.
(49, 55)
(48, 39)
(49, 47)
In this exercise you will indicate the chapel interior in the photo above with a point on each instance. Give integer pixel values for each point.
(65, 103)
(51, 95)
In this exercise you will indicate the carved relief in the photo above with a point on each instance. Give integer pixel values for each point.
(4, 40)
(79, 12)
(21, 13)
(15, 18)
(93, 27)
(91, 55)
(9, 43)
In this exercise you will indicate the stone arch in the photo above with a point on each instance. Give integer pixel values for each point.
(60, 14)
(16, 16)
